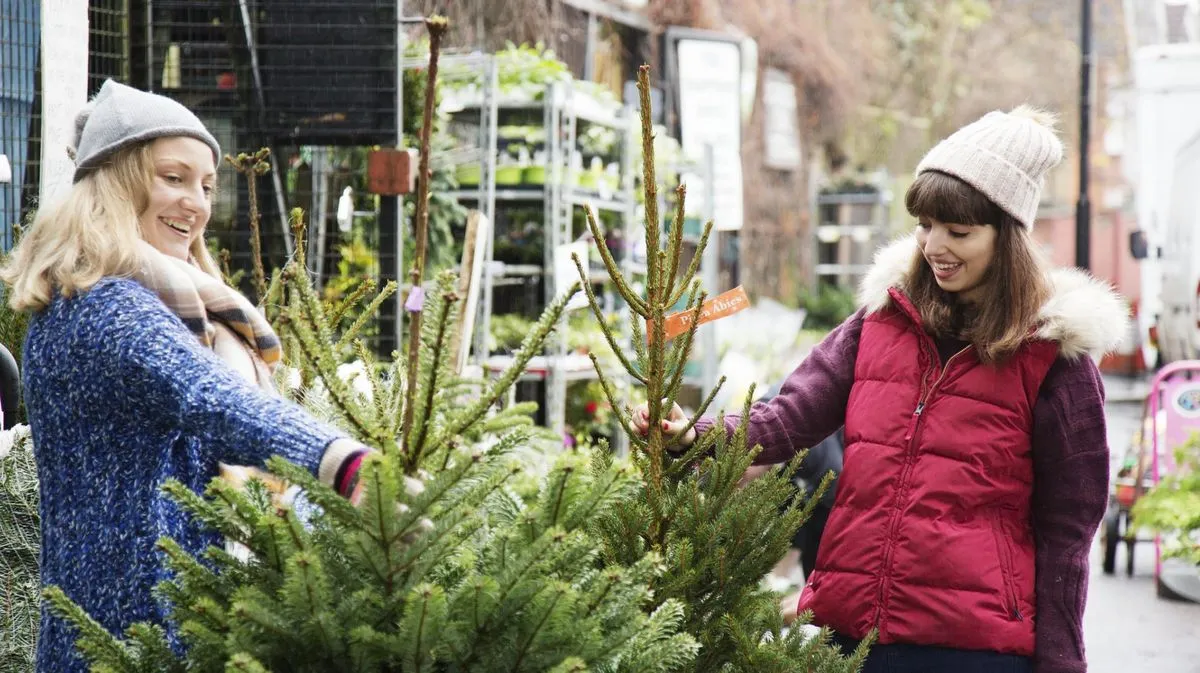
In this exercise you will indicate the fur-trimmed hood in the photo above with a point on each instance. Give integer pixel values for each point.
(1083, 315)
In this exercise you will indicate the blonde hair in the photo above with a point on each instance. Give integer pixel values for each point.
(91, 233)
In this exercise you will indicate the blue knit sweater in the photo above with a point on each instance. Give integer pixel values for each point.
(121, 396)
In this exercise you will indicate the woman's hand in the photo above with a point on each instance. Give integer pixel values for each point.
(672, 427)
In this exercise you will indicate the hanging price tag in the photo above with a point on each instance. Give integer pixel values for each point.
(416, 300)
(721, 306)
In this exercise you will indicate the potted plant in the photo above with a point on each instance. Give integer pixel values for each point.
(534, 174)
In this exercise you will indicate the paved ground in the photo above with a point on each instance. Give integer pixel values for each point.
(1127, 628)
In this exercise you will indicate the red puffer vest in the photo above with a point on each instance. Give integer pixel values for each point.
(930, 539)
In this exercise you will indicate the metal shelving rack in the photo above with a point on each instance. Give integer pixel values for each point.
(564, 110)
(851, 226)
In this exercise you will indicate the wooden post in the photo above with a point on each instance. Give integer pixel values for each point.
(470, 275)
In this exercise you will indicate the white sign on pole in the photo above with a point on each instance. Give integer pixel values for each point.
(781, 127)
(710, 87)
(64, 88)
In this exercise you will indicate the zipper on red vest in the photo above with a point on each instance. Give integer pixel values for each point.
(1007, 578)
(925, 395)
(909, 461)
(912, 423)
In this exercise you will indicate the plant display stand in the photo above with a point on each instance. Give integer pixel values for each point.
(551, 157)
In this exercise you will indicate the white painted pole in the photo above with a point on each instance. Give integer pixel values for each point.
(64, 89)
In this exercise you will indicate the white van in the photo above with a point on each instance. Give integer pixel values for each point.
(1179, 317)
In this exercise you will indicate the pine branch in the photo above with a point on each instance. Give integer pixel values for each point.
(244, 663)
(252, 166)
(622, 416)
(209, 512)
(270, 302)
(322, 359)
(200, 579)
(351, 300)
(683, 348)
(425, 621)
(676, 244)
(307, 303)
(608, 335)
(378, 393)
(339, 393)
(687, 459)
(150, 641)
(614, 485)
(437, 27)
(329, 500)
(556, 594)
(656, 308)
(223, 261)
(436, 357)
(639, 339)
(250, 607)
(94, 640)
(306, 593)
(530, 346)
(393, 416)
(649, 181)
(694, 265)
(299, 229)
(432, 548)
(368, 313)
(610, 264)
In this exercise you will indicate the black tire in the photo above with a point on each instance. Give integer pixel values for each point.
(10, 388)
(1112, 537)
(1130, 542)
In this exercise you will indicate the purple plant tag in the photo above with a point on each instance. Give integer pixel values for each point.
(416, 300)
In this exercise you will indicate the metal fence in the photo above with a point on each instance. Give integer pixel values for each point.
(108, 42)
(20, 120)
(20, 101)
(286, 74)
(289, 75)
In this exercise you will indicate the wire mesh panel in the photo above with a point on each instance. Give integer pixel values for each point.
(108, 42)
(328, 69)
(20, 102)
(282, 74)
(189, 50)
(20, 25)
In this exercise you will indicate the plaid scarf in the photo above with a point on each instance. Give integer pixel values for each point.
(199, 300)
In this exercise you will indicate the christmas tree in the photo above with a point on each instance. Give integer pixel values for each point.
(453, 561)
(718, 540)
(442, 566)
(19, 544)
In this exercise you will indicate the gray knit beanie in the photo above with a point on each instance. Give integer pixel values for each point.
(120, 116)
(1003, 155)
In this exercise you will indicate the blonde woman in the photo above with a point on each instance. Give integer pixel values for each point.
(140, 363)
(976, 462)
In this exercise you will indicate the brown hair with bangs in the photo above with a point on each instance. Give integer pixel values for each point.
(1015, 285)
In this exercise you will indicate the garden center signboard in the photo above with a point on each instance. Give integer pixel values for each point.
(707, 69)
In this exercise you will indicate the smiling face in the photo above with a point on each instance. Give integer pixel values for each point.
(180, 195)
(958, 254)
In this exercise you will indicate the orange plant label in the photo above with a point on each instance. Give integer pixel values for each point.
(721, 306)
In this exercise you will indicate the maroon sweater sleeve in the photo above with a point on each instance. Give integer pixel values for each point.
(1070, 495)
(811, 404)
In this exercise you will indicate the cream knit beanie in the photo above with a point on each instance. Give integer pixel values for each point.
(1003, 155)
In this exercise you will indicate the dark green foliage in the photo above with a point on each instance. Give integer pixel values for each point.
(717, 539)
(827, 306)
